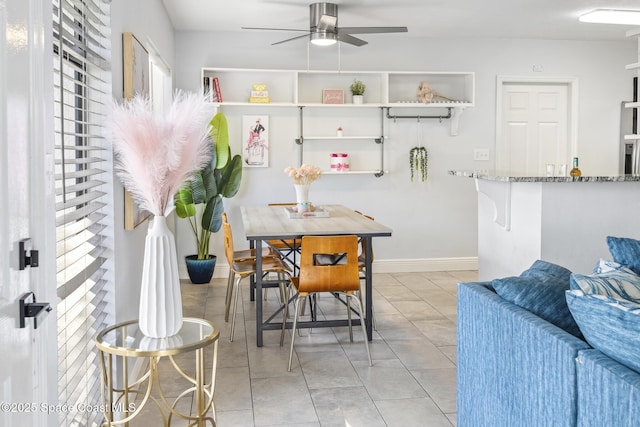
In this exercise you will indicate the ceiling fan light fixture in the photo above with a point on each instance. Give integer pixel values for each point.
(612, 16)
(323, 39)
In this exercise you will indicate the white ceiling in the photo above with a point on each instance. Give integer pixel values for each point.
(546, 19)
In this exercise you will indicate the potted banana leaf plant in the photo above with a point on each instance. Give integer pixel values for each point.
(200, 199)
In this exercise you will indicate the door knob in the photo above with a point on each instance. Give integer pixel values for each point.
(30, 308)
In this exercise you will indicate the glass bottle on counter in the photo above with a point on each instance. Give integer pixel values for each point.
(575, 172)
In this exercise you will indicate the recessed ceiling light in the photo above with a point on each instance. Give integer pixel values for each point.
(612, 16)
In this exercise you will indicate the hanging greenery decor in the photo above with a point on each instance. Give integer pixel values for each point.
(418, 162)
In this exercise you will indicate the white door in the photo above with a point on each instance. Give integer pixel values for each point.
(533, 128)
(28, 372)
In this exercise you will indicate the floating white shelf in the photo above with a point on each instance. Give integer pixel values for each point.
(304, 89)
(331, 138)
(429, 105)
(255, 104)
(320, 105)
(355, 172)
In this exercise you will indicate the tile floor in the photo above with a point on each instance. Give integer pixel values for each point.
(412, 381)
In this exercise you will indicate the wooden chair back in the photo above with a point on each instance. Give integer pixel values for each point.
(228, 240)
(317, 277)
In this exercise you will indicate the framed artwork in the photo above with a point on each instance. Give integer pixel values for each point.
(332, 96)
(135, 59)
(255, 141)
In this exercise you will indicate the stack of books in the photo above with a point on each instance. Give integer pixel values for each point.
(259, 94)
(212, 89)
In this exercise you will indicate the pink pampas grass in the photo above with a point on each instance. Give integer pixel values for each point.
(156, 153)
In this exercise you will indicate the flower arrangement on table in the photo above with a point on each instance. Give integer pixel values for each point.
(302, 179)
(304, 175)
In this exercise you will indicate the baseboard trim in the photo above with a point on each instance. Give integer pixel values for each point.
(383, 266)
(425, 264)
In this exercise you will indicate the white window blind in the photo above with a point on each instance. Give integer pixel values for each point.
(82, 51)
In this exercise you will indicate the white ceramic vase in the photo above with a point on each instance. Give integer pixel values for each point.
(160, 298)
(302, 193)
(358, 99)
(302, 197)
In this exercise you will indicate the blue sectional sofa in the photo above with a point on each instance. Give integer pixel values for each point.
(516, 369)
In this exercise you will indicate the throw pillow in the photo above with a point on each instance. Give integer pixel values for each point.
(547, 268)
(609, 325)
(621, 284)
(541, 289)
(606, 266)
(625, 251)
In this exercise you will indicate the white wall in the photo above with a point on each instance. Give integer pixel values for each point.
(148, 21)
(436, 220)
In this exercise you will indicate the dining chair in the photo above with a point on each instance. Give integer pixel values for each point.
(243, 268)
(241, 255)
(342, 278)
(362, 263)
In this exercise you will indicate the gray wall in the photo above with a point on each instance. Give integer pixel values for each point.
(148, 21)
(436, 220)
(432, 221)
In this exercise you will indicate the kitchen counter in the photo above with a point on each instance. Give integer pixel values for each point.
(508, 177)
(525, 218)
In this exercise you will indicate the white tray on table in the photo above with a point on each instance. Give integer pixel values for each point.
(317, 212)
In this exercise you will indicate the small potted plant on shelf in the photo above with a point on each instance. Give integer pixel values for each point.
(200, 199)
(357, 91)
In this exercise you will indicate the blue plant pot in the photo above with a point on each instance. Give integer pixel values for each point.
(200, 270)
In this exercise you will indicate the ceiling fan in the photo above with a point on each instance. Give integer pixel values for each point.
(324, 30)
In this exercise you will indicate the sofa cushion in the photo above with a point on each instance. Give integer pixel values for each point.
(621, 283)
(626, 251)
(541, 289)
(607, 266)
(609, 325)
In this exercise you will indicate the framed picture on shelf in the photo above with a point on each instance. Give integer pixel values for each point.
(136, 80)
(255, 141)
(332, 96)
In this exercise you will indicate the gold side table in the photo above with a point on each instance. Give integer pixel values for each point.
(125, 341)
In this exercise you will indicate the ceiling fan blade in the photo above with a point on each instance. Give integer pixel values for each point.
(327, 23)
(351, 40)
(291, 39)
(272, 29)
(371, 30)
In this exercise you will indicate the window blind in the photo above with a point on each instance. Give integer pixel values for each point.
(82, 80)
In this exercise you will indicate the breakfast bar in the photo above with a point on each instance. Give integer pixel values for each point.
(563, 220)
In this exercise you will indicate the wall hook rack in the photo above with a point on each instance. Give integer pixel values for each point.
(453, 113)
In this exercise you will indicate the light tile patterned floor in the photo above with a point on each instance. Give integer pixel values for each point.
(412, 381)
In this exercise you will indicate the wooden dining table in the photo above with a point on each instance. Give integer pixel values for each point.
(263, 223)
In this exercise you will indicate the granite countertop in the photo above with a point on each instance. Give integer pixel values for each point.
(514, 177)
